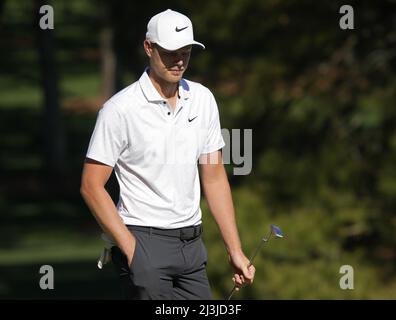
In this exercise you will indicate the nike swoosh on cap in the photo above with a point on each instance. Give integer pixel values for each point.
(181, 29)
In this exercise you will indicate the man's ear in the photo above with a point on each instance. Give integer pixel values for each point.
(148, 48)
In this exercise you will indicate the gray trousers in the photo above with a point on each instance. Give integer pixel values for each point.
(164, 267)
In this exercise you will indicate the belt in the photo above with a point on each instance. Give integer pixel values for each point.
(186, 233)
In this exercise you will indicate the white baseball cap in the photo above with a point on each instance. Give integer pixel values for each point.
(171, 30)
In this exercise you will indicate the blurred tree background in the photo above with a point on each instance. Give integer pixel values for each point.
(320, 101)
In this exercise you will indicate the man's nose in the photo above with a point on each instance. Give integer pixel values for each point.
(179, 61)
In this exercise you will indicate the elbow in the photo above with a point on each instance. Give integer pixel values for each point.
(84, 190)
(90, 188)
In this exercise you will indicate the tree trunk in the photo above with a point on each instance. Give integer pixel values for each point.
(2, 3)
(53, 135)
(109, 62)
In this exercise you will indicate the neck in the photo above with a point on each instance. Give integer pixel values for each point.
(166, 89)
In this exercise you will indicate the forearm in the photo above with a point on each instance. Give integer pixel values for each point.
(102, 207)
(218, 196)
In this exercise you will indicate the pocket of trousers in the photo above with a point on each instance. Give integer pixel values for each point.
(135, 253)
(204, 252)
(120, 259)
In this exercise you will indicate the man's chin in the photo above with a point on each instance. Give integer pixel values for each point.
(174, 79)
(175, 75)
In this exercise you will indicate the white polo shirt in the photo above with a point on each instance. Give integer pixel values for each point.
(155, 151)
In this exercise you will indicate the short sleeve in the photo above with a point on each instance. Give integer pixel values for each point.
(214, 139)
(108, 139)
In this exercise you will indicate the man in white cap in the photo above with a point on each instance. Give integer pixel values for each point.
(154, 133)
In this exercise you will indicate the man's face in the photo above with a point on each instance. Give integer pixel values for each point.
(168, 65)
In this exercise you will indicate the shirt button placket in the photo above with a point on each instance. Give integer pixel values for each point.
(164, 104)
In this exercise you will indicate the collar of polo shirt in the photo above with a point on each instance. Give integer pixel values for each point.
(153, 95)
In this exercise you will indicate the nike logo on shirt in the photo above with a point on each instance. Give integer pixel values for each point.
(189, 120)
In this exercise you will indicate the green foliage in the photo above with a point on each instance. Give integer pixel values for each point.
(306, 263)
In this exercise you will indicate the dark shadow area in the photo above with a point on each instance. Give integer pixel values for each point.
(72, 280)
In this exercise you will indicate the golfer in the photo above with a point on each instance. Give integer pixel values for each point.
(162, 137)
